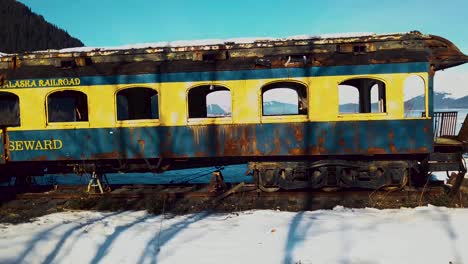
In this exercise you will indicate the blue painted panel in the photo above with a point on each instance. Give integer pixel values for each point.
(251, 74)
(287, 139)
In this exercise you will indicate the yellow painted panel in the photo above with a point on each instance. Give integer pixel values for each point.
(32, 108)
(324, 98)
(210, 121)
(246, 103)
(285, 118)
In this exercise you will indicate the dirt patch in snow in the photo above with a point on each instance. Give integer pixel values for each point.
(24, 210)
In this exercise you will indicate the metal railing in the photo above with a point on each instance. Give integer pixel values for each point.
(444, 123)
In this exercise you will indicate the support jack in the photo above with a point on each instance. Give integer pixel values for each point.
(217, 183)
(98, 181)
(456, 180)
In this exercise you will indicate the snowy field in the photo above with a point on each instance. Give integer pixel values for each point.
(422, 235)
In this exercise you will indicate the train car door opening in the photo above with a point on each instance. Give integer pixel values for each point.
(3, 147)
(9, 117)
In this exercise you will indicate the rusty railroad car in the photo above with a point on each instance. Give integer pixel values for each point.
(148, 108)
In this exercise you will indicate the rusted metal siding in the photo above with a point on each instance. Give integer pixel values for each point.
(273, 140)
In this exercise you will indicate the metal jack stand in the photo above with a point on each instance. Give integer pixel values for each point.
(96, 181)
(456, 179)
(217, 183)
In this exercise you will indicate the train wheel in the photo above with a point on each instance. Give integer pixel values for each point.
(268, 189)
(403, 184)
(258, 179)
(331, 189)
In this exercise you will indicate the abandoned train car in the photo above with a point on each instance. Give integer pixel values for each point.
(148, 109)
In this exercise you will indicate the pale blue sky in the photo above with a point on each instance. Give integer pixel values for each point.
(117, 22)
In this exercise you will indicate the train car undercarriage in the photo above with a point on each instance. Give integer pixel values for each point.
(372, 174)
(271, 176)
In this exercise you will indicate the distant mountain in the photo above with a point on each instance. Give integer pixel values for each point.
(22, 30)
(269, 108)
(461, 103)
(441, 101)
(276, 108)
(415, 103)
(349, 108)
(214, 110)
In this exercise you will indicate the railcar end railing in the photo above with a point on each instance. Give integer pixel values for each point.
(444, 123)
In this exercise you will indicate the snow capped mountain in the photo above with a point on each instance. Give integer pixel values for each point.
(441, 101)
(279, 108)
(214, 110)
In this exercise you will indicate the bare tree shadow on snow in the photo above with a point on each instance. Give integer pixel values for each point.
(446, 224)
(44, 237)
(296, 233)
(103, 249)
(304, 222)
(152, 248)
(299, 233)
(295, 236)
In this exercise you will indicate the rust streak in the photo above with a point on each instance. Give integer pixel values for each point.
(40, 158)
(141, 142)
(393, 149)
(376, 151)
(110, 155)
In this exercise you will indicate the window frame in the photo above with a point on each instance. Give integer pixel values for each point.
(426, 97)
(18, 99)
(286, 118)
(66, 123)
(137, 122)
(362, 115)
(212, 119)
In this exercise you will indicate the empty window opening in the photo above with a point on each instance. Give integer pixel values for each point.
(218, 104)
(377, 99)
(362, 95)
(9, 110)
(209, 101)
(67, 64)
(209, 57)
(67, 106)
(286, 98)
(359, 49)
(137, 103)
(348, 99)
(414, 96)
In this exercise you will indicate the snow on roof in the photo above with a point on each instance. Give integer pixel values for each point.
(207, 42)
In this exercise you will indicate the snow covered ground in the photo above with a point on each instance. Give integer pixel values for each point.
(422, 235)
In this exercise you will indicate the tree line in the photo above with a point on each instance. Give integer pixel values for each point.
(22, 30)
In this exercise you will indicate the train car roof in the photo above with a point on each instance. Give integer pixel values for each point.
(205, 43)
(321, 50)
